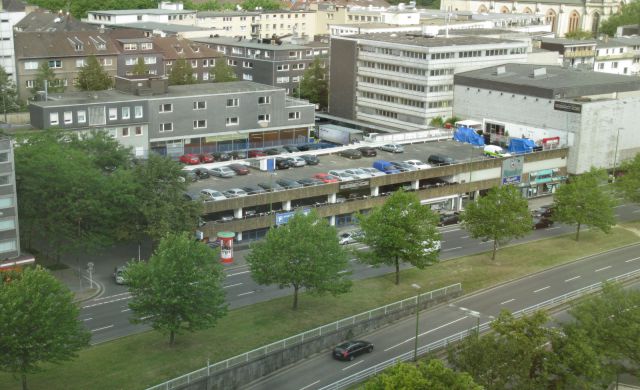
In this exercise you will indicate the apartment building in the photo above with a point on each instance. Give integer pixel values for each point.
(65, 52)
(403, 81)
(575, 53)
(615, 56)
(159, 15)
(201, 58)
(132, 50)
(280, 65)
(10, 14)
(231, 23)
(148, 115)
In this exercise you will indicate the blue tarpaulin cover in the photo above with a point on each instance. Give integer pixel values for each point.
(468, 135)
(521, 145)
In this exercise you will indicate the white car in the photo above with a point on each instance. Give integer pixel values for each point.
(495, 151)
(358, 173)
(418, 164)
(393, 148)
(222, 172)
(235, 193)
(209, 194)
(297, 161)
(373, 172)
(341, 174)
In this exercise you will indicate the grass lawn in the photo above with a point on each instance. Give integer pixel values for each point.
(139, 361)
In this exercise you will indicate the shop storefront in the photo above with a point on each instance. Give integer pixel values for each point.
(542, 183)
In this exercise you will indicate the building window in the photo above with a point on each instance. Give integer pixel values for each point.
(294, 115)
(130, 46)
(125, 131)
(6, 202)
(200, 124)
(205, 76)
(82, 116)
(106, 61)
(68, 117)
(55, 63)
(614, 65)
(31, 65)
(264, 117)
(29, 83)
(233, 121)
(137, 111)
(150, 60)
(138, 130)
(126, 112)
(166, 107)
(247, 76)
(194, 63)
(80, 63)
(200, 105)
(166, 127)
(53, 118)
(146, 46)
(4, 157)
(282, 80)
(264, 100)
(113, 114)
(282, 68)
(233, 102)
(8, 246)
(601, 66)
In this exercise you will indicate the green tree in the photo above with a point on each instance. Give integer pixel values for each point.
(46, 75)
(222, 72)
(401, 230)
(433, 375)
(38, 323)
(314, 85)
(628, 185)
(500, 216)
(579, 35)
(628, 14)
(10, 100)
(251, 5)
(105, 152)
(610, 323)
(304, 253)
(583, 201)
(140, 69)
(181, 73)
(93, 77)
(179, 289)
(437, 122)
(79, 8)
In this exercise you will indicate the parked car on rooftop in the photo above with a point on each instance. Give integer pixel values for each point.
(368, 151)
(341, 174)
(358, 173)
(350, 154)
(310, 159)
(310, 181)
(209, 194)
(271, 186)
(222, 172)
(221, 156)
(296, 161)
(418, 164)
(201, 173)
(403, 166)
(440, 159)
(282, 163)
(254, 190)
(392, 148)
(235, 193)
(373, 172)
(255, 153)
(291, 148)
(239, 169)
(288, 183)
(326, 178)
(190, 159)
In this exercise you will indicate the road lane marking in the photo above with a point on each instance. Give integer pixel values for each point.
(486, 242)
(451, 249)
(574, 278)
(465, 237)
(103, 328)
(449, 231)
(603, 268)
(125, 310)
(246, 293)
(110, 296)
(88, 319)
(239, 273)
(427, 332)
(104, 303)
(356, 363)
(343, 271)
(630, 260)
(507, 301)
(309, 385)
(553, 228)
(541, 289)
(232, 285)
(621, 205)
(370, 266)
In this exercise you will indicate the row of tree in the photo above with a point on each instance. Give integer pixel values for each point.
(587, 352)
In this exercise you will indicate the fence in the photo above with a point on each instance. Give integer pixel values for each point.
(364, 374)
(297, 339)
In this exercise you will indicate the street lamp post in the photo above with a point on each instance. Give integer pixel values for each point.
(415, 345)
(473, 313)
(615, 156)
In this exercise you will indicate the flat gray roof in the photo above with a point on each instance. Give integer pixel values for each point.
(556, 82)
(568, 42)
(610, 43)
(161, 26)
(248, 43)
(203, 89)
(150, 11)
(214, 14)
(419, 40)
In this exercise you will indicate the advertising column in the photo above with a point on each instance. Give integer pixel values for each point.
(226, 246)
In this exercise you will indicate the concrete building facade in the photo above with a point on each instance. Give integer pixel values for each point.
(595, 114)
(405, 80)
(10, 14)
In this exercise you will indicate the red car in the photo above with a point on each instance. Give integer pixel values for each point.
(190, 159)
(326, 178)
(239, 169)
(206, 158)
(256, 153)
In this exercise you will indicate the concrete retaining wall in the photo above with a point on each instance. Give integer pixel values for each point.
(240, 375)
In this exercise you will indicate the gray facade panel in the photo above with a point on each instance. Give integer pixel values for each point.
(342, 80)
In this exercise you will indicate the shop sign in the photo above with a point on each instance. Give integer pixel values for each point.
(282, 218)
(512, 170)
(353, 185)
(568, 107)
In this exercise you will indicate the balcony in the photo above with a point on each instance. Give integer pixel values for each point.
(579, 53)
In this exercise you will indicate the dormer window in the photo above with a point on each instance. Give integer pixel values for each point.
(79, 47)
(179, 49)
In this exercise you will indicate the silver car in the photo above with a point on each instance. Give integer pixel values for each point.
(393, 148)
(235, 193)
(209, 194)
(373, 172)
(222, 172)
(358, 173)
(341, 174)
(418, 164)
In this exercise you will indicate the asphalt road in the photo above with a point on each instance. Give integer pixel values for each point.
(446, 320)
(107, 316)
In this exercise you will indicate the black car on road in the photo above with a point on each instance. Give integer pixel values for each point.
(449, 219)
(351, 349)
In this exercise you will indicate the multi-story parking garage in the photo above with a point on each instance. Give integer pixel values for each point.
(441, 188)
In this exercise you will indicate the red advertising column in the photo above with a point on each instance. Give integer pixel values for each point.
(226, 246)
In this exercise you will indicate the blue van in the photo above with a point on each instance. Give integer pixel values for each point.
(385, 166)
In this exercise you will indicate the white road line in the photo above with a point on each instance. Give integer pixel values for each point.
(465, 237)
(239, 273)
(110, 296)
(309, 385)
(603, 268)
(553, 228)
(103, 328)
(620, 205)
(486, 242)
(574, 278)
(343, 271)
(541, 289)
(452, 230)
(88, 319)
(246, 293)
(370, 266)
(451, 249)
(427, 332)
(354, 364)
(124, 310)
(507, 301)
(630, 260)
(232, 285)
(104, 303)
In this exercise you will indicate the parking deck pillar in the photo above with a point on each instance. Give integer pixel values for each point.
(239, 236)
(415, 185)
(331, 198)
(237, 213)
(286, 205)
(375, 191)
(332, 220)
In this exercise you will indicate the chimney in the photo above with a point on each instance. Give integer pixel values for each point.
(500, 70)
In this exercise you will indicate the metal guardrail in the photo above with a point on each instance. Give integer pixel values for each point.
(364, 374)
(300, 338)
